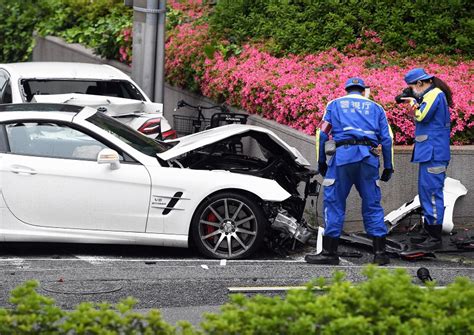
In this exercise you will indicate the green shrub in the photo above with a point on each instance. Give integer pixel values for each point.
(98, 24)
(18, 19)
(35, 314)
(386, 303)
(301, 26)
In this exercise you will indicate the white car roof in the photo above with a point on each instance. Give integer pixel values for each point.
(42, 111)
(58, 70)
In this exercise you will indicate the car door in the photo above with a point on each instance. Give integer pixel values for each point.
(50, 177)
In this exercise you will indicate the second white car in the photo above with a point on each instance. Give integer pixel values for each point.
(96, 85)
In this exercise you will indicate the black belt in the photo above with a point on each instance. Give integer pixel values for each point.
(355, 142)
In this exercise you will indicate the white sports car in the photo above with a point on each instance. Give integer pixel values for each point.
(72, 174)
(96, 85)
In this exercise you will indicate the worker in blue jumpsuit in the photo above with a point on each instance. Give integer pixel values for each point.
(430, 106)
(357, 126)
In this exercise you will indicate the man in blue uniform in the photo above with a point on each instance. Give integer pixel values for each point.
(357, 126)
(431, 151)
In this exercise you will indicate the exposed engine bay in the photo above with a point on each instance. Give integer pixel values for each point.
(256, 153)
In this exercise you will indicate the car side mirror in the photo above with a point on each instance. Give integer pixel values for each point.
(109, 156)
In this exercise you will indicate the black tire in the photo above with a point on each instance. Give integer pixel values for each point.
(242, 226)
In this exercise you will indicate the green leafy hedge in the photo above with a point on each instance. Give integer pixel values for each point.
(302, 26)
(284, 26)
(386, 303)
(17, 21)
(98, 24)
(36, 314)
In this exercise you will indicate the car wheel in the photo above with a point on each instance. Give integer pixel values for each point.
(228, 225)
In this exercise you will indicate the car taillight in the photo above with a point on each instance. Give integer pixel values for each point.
(152, 126)
(170, 134)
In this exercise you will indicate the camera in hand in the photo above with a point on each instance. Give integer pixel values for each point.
(406, 93)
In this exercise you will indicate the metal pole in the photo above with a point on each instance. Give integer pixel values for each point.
(138, 34)
(160, 54)
(149, 46)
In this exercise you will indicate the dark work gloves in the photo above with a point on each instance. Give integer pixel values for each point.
(323, 168)
(386, 175)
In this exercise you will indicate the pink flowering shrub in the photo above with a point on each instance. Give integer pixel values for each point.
(185, 56)
(193, 8)
(185, 46)
(295, 90)
(125, 49)
(368, 44)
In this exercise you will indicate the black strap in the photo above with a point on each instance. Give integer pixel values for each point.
(355, 142)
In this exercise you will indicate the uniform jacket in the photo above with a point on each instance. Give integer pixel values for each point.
(355, 117)
(432, 131)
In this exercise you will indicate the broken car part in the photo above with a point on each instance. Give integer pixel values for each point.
(453, 189)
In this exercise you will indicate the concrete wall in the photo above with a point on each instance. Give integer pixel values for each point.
(51, 49)
(400, 189)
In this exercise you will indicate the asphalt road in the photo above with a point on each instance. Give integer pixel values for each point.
(179, 283)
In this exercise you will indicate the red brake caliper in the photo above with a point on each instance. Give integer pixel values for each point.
(208, 228)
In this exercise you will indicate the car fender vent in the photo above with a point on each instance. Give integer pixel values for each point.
(173, 201)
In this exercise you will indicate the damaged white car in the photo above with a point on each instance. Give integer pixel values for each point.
(96, 85)
(72, 174)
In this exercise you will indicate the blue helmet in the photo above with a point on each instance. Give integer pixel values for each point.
(414, 75)
(352, 82)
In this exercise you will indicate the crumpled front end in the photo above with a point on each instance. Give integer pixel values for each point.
(257, 153)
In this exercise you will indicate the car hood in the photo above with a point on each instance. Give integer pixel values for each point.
(192, 142)
(112, 106)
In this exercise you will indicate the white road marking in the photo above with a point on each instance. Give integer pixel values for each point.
(265, 288)
(93, 259)
(18, 263)
(194, 260)
(101, 260)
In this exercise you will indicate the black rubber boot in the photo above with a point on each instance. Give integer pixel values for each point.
(434, 240)
(329, 253)
(380, 254)
(421, 237)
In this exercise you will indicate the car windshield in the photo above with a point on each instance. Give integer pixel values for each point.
(110, 88)
(138, 141)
